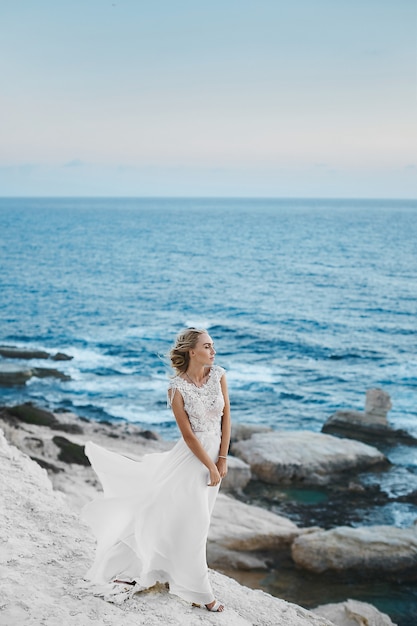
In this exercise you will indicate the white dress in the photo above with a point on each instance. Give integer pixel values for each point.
(152, 521)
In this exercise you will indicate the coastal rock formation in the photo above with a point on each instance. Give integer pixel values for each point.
(377, 405)
(15, 375)
(11, 352)
(381, 551)
(245, 431)
(353, 613)
(46, 550)
(285, 457)
(240, 534)
(238, 474)
(370, 425)
(11, 375)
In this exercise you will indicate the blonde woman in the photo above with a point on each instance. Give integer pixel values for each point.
(152, 522)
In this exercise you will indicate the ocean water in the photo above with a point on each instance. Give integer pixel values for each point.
(309, 302)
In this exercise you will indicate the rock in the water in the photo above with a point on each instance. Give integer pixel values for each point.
(10, 352)
(353, 613)
(377, 405)
(60, 356)
(238, 474)
(11, 376)
(49, 372)
(243, 536)
(371, 425)
(285, 457)
(378, 551)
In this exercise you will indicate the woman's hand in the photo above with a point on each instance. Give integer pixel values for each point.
(222, 467)
(214, 477)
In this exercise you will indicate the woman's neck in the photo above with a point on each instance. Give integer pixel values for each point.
(197, 373)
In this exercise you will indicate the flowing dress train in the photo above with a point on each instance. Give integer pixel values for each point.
(152, 521)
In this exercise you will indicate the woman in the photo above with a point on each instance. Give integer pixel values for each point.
(152, 523)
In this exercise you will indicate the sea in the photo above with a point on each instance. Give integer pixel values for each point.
(309, 302)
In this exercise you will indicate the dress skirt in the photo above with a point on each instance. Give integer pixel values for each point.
(152, 521)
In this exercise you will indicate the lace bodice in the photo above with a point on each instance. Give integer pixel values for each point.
(204, 405)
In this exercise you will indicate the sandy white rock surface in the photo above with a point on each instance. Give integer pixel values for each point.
(284, 457)
(45, 550)
(385, 549)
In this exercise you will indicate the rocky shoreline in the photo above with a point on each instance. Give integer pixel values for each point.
(243, 537)
(247, 541)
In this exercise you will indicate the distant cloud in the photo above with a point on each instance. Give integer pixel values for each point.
(74, 163)
(410, 166)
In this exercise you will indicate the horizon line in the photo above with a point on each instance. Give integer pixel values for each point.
(198, 197)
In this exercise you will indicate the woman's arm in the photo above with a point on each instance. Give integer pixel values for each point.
(226, 430)
(177, 404)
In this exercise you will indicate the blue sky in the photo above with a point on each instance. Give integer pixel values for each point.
(309, 98)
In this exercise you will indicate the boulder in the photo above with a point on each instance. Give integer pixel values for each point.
(49, 372)
(374, 551)
(11, 352)
(245, 431)
(244, 536)
(377, 405)
(60, 356)
(242, 526)
(32, 414)
(11, 376)
(370, 425)
(238, 474)
(286, 457)
(353, 613)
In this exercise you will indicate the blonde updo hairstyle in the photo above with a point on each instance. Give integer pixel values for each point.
(180, 353)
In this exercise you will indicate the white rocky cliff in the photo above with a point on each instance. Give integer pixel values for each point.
(45, 551)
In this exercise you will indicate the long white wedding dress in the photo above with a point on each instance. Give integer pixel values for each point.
(152, 521)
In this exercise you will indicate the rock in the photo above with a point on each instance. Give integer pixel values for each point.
(246, 537)
(46, 550)
(32, 414)
(286, 457)
(60, 356)
(245, 431)
(28, 413)
(70, 452)
(241, 526)
(148, 434)
(11, 376)
(238, 474)
(353, 613)
(356, 425)
(49, 372)
(376, 551)
(10, 352)
(371, 425)
(377, 405)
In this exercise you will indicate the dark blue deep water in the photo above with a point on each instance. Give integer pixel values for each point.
(309, 302)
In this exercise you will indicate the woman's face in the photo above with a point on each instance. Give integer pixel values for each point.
(203, 352)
